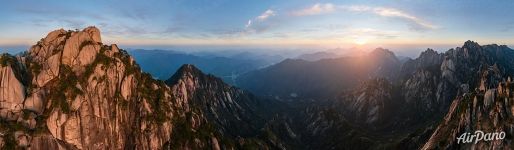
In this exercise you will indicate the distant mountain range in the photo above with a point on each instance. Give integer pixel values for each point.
(70, 91)
(163, 63)
(318, 56)
(324, 78)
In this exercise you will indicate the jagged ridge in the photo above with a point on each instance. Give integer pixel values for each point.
(69, 91)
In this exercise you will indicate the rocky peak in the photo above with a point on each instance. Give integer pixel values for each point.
(226, 106)
(69, 88)
(94, 33)
(430, 56)
(69, 91)
(382, 53)
(428, 53)
(369, 103)
(470, 44)
(428, 59)
(489, 111)
(184, 72)
(187, 69)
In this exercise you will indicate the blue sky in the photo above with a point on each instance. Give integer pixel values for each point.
(394, 24)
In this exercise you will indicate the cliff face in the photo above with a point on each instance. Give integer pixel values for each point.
(370, 103)
(488, 111)
(210, 106)
(69, 91)
(484, 101)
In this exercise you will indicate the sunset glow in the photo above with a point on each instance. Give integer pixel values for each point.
(266, 23)
(361, 41)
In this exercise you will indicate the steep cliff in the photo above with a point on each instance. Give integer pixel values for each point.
(488, 109)
(69, 91)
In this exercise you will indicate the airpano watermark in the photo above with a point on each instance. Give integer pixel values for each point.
(480, 136)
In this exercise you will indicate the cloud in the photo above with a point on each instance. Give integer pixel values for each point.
(261, 18)
(248, 24)
(268, 13)
(415, 22)
(316, 9)
(258, 24)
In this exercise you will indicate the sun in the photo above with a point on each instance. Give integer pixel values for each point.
(360, 40)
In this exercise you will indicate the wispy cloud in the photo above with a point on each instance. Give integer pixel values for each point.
(415, 23)
(248, 24)
(268, 13)
(258, 24)
(316, 9)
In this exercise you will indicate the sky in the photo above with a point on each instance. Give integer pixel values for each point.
(407, 26)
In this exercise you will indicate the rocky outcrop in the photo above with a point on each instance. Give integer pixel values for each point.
(69, 91)
(71, 96)
(427, 60)
(12, 91)
(466, 82)
(371, 103)
(487, 111)
(210, 102)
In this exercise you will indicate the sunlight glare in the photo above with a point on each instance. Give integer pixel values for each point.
(360, 41)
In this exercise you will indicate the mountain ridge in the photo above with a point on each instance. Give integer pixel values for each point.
(410, 105)
(69, 91)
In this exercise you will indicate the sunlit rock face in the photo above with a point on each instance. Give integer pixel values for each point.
(12, 92)
(69, 91)
(489, 111)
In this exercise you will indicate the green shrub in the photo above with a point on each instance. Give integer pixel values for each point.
(35, 67)
(85, 43)
(9, 141)
(67, 85)
(7, 59)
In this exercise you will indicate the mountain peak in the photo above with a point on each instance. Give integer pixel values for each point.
(94, 33)
(71, 47)
(186, 70)
(382, 52)
(470, 44)
(428, 53)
